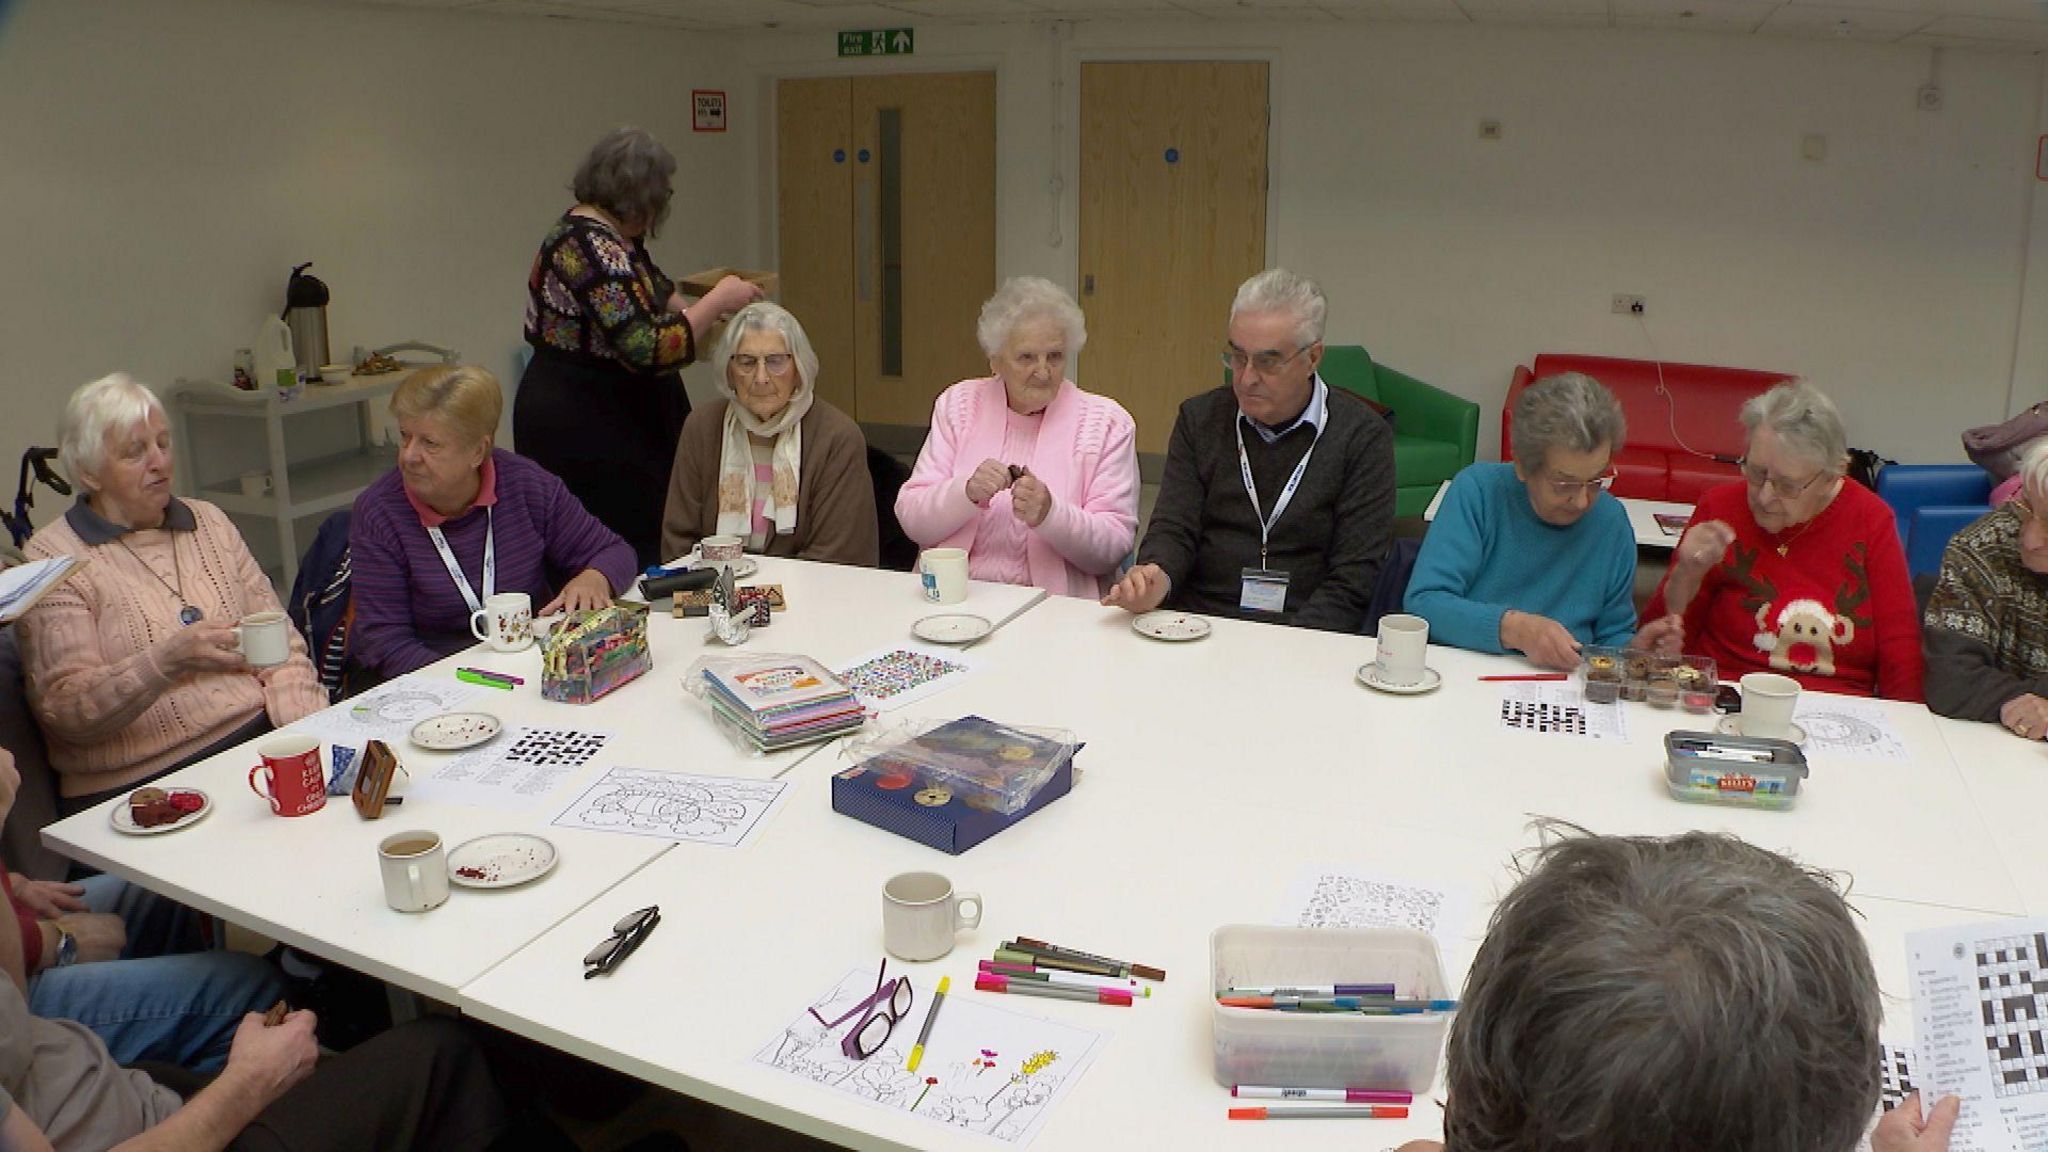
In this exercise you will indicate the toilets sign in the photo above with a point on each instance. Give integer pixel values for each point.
(877, 42)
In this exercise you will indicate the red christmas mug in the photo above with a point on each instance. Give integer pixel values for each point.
(292, 780)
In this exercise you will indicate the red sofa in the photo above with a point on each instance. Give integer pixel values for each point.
(1705, 403)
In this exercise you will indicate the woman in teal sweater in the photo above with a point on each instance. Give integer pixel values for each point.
(1533, 556)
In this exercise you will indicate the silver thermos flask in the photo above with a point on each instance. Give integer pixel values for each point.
(305, 311)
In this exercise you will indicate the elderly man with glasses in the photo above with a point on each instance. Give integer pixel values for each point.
(1796, 570)
(1532, 557)
(1278, 499)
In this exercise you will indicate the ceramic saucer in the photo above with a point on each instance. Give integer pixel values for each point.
(500, 861)
(1369, 675)
(952, 628)
(1731, 725)
(452, 731)
(1170, 626)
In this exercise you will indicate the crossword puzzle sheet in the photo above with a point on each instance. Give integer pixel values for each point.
(1560, 710)
(1980, 1025)
(2013, 990)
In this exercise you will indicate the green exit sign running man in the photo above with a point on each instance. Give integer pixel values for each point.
(877, 42)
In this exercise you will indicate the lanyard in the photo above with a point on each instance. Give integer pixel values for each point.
(1251, 489)
(490, 562)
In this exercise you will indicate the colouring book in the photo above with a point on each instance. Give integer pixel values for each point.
(901, 674)
(674, 806)
(986, 1070)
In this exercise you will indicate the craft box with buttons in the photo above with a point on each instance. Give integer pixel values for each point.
(952, 785)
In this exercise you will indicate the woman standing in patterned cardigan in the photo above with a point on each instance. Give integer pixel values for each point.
(601, 403)
(1037, 479)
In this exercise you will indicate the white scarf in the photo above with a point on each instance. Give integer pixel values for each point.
(736, 463)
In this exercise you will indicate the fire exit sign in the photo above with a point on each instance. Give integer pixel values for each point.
(877, 42)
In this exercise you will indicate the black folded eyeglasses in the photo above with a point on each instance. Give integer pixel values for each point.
(626, 936)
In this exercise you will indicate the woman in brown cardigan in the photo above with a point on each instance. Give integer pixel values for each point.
(771, 463)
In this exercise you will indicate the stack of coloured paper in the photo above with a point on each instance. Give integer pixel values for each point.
(782, 701)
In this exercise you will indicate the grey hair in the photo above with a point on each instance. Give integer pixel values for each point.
(1571, 411)
(1685, 992)
(1021, 300)
(1805, 419)
(2033, 471)
(108, 405)
(1290, 293)
(764, 316)
(627, 174)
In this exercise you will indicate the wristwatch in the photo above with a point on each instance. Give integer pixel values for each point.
(67, 949)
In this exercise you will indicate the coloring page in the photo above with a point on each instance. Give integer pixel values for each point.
(676, 806)
(386, 713)
(901, 674)
(986, 1070)
(1560, 710)
(1334, 898)
(517, 770)
(1980, 1023)
(1842, 726)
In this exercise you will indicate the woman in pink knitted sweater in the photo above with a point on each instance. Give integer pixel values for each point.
(132, 663)
(1037, 479)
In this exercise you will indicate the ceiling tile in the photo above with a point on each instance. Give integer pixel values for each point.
(1704, 15)
(2033, 32)
(1844, 23)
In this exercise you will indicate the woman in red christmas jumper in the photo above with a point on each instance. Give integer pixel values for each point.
(1796, 570)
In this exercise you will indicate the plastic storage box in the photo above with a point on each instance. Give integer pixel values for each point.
(1610, 674)
(1742, 771)
(1327, 1050)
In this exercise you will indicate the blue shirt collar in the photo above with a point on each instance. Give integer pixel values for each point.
(1318, 409)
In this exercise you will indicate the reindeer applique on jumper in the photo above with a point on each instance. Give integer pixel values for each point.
(1801, 634)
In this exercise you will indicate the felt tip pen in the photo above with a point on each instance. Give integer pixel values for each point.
(990, 982)
(1339, 1004)
(1063, 963)
(491, 674)
(1334, 1095)
(1384, 991)
(925, 1033)
(1534, 676)
(1069, 979)
(1363, 1112)
(1142, 971)
(469, 677)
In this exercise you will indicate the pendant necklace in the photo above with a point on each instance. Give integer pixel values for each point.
(187, 613)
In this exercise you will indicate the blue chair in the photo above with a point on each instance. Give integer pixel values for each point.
(1932, 502)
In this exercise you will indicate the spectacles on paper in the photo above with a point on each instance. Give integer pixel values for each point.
(1267, 362)
(627, 935)
(1786, 489)
(879, 1012)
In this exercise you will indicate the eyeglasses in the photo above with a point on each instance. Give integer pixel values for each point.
(777, 362)
(1267, 362)
(1593, 487)
(627, 935)
(1786, 489)
(879, 1012)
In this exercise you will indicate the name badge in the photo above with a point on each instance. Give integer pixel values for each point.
(1263, 590)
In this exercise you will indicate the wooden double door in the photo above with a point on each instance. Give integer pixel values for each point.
(886, 221)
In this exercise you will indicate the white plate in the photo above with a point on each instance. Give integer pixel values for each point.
(1731, 725)
(1171, 626)
(952, 628)
(742, 568)
(451, 731)
(1369, 675)
(122, 821)
(501, 860)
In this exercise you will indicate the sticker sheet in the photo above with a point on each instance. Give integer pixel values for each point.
(675, 806)
(1548, 709)
(986, 1069)
(903, 674)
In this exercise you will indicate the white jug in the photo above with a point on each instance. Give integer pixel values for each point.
(273, 352)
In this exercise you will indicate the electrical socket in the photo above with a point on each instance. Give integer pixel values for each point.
(1625, 305)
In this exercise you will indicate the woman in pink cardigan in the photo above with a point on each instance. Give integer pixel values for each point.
(1037, 479)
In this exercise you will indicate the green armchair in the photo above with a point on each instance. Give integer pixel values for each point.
(1435, 433)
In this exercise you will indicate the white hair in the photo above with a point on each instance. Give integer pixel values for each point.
(765, 316)
(1805, 419)
(1287, 293)
(108, 405)
(1023, 299)
(2033, 471)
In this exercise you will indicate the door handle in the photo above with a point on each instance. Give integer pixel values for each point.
(1088, 284)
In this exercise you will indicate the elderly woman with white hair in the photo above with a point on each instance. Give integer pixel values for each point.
(1795, 570)
(772, 462)
(132, 663)
(1035, 478)
(1534, 556)
(1986, 628)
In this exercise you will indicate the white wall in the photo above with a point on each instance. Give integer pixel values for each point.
(164, 164)
(1666, 165)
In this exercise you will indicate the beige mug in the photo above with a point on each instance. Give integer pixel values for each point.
(415, 868)
(921, 914)
(1768, 701)
(943, 572)
(264, 639)
(1403, 649)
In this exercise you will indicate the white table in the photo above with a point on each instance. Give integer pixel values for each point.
(1642, 517)
(2007, 777)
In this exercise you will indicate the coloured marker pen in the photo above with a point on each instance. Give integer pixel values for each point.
(1069, 979)
(469, 677)
(990, 982)
(1334, 1095)
(1381, 990)
(1361, 1112)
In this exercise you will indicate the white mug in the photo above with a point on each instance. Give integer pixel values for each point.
(943, 572)
(415, 868)
(1403, 647)
(505, 622)
(921, 913)
(255, 484)
(264, 639)
(1768, 700)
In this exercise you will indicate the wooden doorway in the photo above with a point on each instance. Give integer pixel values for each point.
(887, 232)
(1173, 219)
